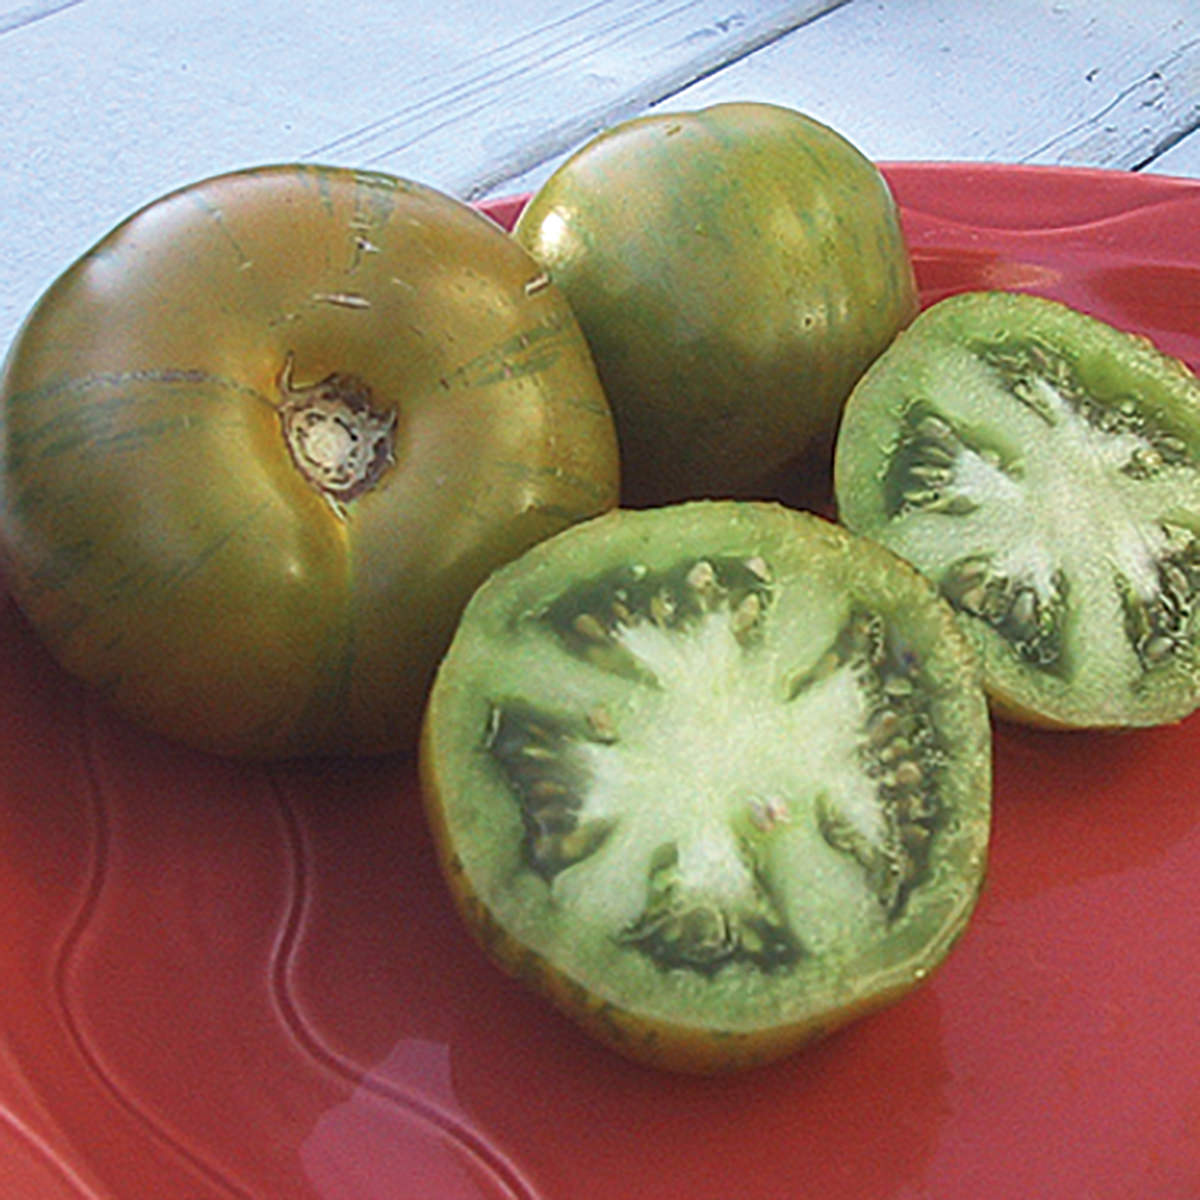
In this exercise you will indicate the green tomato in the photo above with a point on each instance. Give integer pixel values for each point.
(262, 442)
(734, 270)
(1042, 468)
(715, 778)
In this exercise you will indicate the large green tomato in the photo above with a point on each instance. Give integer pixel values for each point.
(735, 270)
(262, 442)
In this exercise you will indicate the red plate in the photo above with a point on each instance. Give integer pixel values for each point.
(221, 981)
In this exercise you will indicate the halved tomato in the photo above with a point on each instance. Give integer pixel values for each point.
(715, 778)
(1042, 468)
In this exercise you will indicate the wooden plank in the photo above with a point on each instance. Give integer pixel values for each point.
(1048, 81)
(119, 102)
(1002, 80)
(1143, 119)
(573, 76)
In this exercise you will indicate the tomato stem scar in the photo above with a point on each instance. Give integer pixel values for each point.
(338, 440)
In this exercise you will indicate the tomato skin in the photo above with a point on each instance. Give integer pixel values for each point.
(153, 523)
(735, 270)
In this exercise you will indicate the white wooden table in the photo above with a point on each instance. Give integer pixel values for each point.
(108, 103)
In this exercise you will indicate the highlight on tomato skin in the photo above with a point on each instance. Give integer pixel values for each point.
(260, 444)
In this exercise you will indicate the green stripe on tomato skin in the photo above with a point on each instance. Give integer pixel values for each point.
(519, 469)
(321, 180)
(49, 458)
(143, 587)
(23, 426)
(535, 349)
(102, 610)
(212, 211)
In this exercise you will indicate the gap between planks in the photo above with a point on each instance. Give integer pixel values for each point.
(27, 14)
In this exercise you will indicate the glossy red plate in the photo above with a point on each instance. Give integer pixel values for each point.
(220, 981)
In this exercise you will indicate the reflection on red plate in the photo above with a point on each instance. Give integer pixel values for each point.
(229, 981)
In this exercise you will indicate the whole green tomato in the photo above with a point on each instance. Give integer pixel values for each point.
(735, 270)
(260, 445)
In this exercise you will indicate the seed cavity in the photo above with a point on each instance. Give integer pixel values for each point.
(860, 642)
(1031, 620)
(1160, 452)
(543, 762)
(681, 927)
(899, 750)
(1160, 626)
(887, 867)
(1048, 383)
(922, 474)
(1035, 374)
(593, 621)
